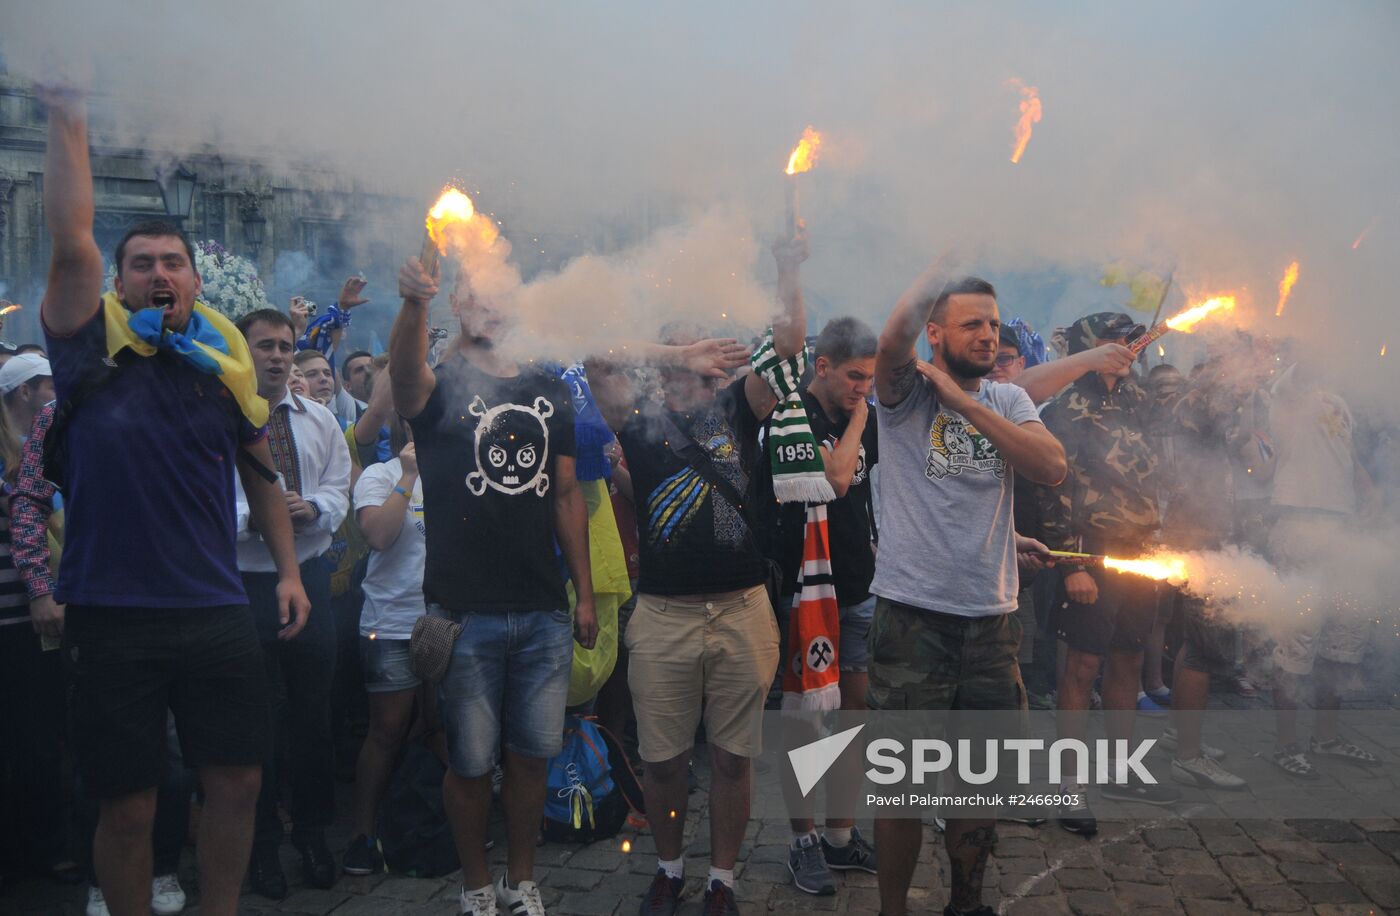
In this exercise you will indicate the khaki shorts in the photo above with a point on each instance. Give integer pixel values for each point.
(692, 652)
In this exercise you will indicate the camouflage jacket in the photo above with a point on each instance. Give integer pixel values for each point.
(1111, 489)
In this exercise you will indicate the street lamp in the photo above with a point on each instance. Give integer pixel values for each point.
(253, 228)
(177, 191)
(254, 223)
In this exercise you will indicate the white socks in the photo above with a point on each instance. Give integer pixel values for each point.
(674, 868)
(837, 837)
(724, 875)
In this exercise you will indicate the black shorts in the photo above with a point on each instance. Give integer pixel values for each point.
(1121, 620)
(129, 665)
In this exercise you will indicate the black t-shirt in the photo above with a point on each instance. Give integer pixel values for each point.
(850, 522)
(486, 448)
(692, 540)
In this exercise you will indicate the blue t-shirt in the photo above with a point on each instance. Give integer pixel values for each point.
(148, 480)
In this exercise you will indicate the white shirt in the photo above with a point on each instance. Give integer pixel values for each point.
(394, 582)
(324, 460)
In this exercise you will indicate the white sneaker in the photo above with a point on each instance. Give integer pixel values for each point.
(480, 902)
(1204, 772)
(97, 904)
(167, 896)
(523, 901)
(1168, 742)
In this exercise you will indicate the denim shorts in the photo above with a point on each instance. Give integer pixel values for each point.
(386, 664)
(508, 678)
(853, 654)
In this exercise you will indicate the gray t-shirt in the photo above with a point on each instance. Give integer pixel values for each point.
(947, 538)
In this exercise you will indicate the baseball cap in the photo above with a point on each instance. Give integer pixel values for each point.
(20, 369)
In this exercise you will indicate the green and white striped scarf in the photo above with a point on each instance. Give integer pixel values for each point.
(798, 472)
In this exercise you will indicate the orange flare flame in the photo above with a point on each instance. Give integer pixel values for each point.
(1382, 349)
(804, 154)
(1030, 114)
(1188, 319)
(1362, 237)
(453, 211)
(13, 307)
(1173, 568)
(1285, 287)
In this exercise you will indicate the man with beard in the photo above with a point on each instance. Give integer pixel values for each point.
(495, 446)
(156, 615)
(944, 636)
(843, 374)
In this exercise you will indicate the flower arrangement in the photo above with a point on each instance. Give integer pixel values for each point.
(231, 283)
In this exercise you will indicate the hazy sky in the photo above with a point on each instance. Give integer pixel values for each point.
(1225, 139)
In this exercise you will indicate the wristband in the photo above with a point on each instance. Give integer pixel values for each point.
(402, 492)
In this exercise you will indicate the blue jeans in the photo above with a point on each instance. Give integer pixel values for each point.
(509, 673)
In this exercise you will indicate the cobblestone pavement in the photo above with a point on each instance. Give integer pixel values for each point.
(1155, 865)
(1202, 868)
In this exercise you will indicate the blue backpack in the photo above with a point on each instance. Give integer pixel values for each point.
(590, 786)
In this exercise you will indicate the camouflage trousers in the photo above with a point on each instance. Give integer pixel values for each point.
(923, 660)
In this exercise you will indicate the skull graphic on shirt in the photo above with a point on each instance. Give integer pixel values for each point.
(512, 447)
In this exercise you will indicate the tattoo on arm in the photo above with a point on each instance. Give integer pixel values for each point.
(902, 382)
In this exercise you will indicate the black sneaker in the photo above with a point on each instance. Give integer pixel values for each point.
(363, 857)
(317, 863)
(719, 900)
(1078, 818)
(664, 895)
(1145, 793)
(950, 910)
(265, 873)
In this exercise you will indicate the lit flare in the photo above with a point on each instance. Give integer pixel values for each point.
(804, 154)
(1030, 115)
(12, 307)
(1189, 318)
(1166, 568)
(1184, 320)
(453, 222)
(1364, 232)
(1285, 287)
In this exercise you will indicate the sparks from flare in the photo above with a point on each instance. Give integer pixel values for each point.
(1030, 114)
(804, 154)
(1285, 287)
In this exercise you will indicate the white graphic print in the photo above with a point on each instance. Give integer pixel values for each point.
(512, 448)
(956, 446)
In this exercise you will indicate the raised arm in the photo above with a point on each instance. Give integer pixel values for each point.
(75, 267)
(896, 361)
(1048, 379)
(789, 325)
(713, 357)
(413, 381)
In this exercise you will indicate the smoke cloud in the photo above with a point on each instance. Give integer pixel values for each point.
(1222, 141)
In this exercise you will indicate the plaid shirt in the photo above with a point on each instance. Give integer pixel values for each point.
(30, 509)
